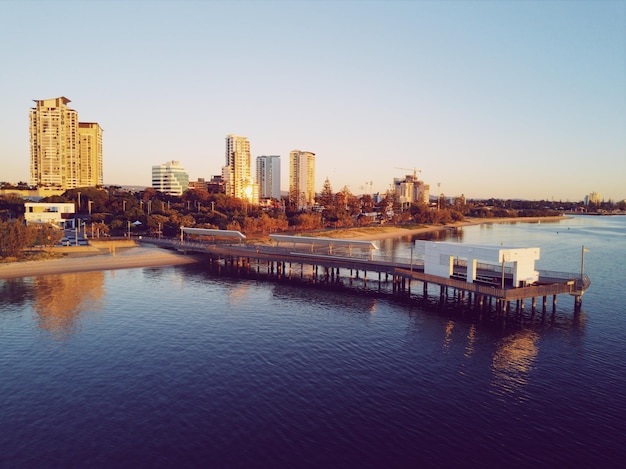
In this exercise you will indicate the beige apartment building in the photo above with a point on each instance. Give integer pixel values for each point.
(90, 137)
(237, 173)
(302, 178)
(64, 153)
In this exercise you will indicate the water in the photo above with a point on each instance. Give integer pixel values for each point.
(176, 367)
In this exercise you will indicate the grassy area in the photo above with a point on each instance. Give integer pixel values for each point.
(362, 231)
(35, 255)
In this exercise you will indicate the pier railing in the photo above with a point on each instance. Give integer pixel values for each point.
(550, 282)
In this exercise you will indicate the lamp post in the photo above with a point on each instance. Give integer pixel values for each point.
(181, 233)
(128, 229)
(438, 194)
(78, 210)
(582, 262)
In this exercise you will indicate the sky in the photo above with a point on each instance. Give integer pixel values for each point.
(510, 99)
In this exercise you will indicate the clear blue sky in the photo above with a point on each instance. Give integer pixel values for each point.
(490, 99)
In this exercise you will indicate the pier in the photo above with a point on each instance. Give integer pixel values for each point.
(466, 282)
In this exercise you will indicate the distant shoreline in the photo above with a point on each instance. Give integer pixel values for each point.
(399, 231)
(150, 256)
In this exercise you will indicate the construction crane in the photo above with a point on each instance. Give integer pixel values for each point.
(415, 171)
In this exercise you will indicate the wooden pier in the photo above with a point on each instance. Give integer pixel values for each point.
(336, 267)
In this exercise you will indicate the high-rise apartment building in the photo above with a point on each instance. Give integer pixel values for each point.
(268, 176)
(63, 152)
(237, 173)
(90, 151)
(302, 178)
(593, 198)
(170, 178)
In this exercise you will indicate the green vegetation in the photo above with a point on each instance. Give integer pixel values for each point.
(15, 236)
(113, 211)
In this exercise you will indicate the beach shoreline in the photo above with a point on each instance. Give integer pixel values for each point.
(138, 256)
(129, 258)
(399, 231)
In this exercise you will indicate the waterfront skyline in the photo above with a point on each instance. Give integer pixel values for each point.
(506, 100)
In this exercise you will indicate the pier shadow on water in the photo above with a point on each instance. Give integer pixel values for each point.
(352, 287)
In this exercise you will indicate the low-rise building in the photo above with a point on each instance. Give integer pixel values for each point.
(57, 214)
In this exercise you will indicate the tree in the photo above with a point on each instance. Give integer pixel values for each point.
(45, 234)
(307, 221)
(156, 222)
(14, 237)
(326, 198)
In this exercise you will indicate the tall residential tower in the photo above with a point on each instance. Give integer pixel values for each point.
(237, 173)
(302, 178)
(63, 152)
(268, 176)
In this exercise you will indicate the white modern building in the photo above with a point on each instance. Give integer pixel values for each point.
(302, 178)
(440, 259)
(57, 214)
(170, 178)
(268, 176)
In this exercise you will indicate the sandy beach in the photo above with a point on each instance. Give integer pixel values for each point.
(150, 256)
(140, 256)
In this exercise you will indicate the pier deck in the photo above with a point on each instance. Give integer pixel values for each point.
(549, 284)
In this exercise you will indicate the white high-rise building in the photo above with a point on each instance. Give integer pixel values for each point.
(170, 178)
(237, 173)
(302, 178)
(268, 176)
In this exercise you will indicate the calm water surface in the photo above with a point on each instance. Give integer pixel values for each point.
(177, 367)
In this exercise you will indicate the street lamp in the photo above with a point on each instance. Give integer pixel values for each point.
(582, 262)
(438, 194)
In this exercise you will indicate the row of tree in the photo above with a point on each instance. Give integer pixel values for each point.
(15, 236)
(112, 211)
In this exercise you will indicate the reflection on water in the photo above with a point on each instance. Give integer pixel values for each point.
(471, 338)
(448, 334)
(513, 361)
(239, 294)
(15, 291)
(59, 301)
